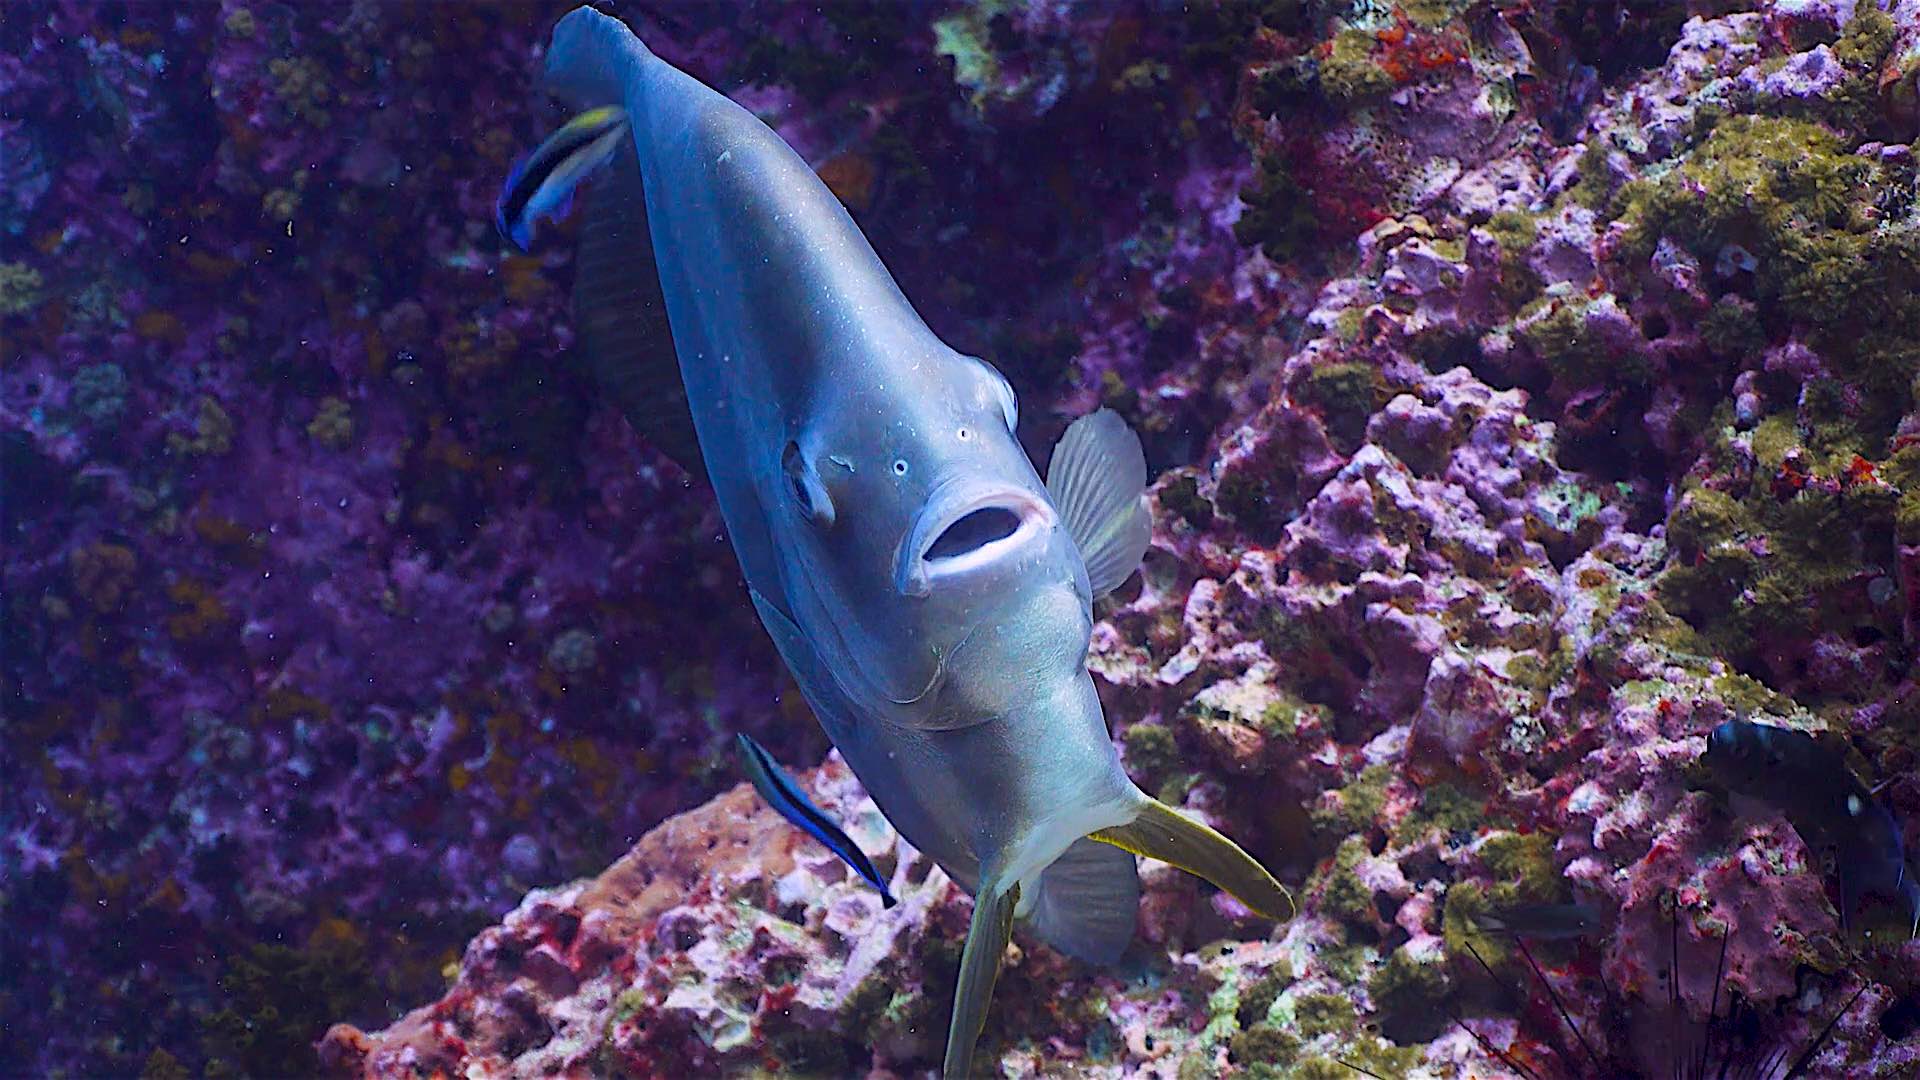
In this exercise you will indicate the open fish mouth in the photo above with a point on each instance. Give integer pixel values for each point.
(967, 527)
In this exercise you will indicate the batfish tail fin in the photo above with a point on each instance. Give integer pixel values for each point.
(1087, 902)
(1160, 832)
(590, 58)
(987, 937)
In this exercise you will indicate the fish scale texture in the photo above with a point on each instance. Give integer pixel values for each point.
(1529, 389)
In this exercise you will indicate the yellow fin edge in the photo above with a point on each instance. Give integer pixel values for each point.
(1161, 832)
(987, 937)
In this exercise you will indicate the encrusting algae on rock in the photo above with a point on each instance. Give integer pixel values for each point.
(1508, 669)
(1528, 392)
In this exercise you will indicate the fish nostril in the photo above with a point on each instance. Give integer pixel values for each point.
(973, 532)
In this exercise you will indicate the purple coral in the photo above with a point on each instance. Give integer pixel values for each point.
(1508, 451)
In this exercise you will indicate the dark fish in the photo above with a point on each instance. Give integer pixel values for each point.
(1544, 922)
(783, 794)
(1827, 804)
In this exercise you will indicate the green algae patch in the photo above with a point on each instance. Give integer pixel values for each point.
(213, 431)
(1379, 1057)
(280, 999)
(962, 38)
(1180, 494)
(1349, 73)
(1151, 749)
(1346, 395)
(1514, 231)
(1594, 187)
(1348, 964)
(20, 288)
(1445, 808)
(332, 424)
(1732, 328)
(1264, 1050)
(1465, 903)
(1357, 806)
(1703, 520)
(1861, 49)
(1256, 1004)
(1342, 893)
(1794, 197)
(1279, 218)
(161, 1065)
(1522, 871)
(1522, 863)
(1315, 1015)
(1349, 323)
(1540, 674)
(1406, 993)
(1555, 329)
(1748, 697)
(1282, 718)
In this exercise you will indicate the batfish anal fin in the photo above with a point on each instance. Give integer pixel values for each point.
(1088, 901)
(1161, 832)
(621, 314)
(1097, 478)
(782, 792)
(987, 937)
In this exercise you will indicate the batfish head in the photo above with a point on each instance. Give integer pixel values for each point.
(924, 559)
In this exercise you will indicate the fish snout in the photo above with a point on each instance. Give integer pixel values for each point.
(966, 529)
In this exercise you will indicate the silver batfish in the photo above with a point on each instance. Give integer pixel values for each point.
(932, 596)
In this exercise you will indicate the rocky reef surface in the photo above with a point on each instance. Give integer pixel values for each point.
(1532, 388)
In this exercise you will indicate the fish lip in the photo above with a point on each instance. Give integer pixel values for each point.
(916, 575)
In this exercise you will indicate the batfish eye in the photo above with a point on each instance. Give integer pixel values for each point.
(965, 434)
(900, 466)
(808, 492)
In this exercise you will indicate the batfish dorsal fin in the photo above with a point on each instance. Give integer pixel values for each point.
(1096, 478)
(621, 314)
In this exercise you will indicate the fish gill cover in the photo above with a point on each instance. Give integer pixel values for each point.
(1530, 390)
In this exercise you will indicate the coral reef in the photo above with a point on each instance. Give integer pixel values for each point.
(1531, 387)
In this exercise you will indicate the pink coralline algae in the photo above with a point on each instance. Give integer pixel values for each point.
(1530, 388)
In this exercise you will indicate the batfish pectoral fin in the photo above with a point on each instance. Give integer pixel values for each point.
(1161, 832)
(1096, 478)
(987, 937)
